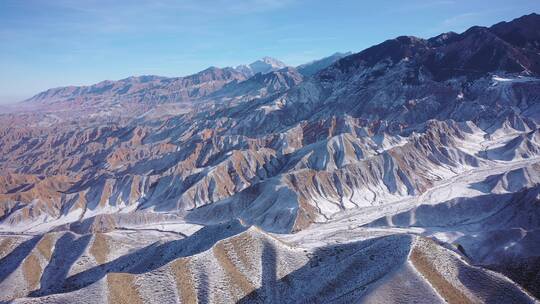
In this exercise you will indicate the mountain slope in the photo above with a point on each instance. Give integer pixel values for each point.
(409, 80)
(311, 68)
(260, 85)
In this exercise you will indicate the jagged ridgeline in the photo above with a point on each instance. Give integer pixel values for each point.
(409, 171)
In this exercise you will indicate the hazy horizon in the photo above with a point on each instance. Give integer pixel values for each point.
(63, 42)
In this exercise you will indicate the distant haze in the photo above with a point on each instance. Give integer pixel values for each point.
(7, 99)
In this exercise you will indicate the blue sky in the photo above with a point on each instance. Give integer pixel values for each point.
(50, 43)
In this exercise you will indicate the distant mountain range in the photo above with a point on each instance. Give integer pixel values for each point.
(407, 172)
(212, 81)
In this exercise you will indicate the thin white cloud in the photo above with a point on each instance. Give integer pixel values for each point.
(243, 6)
(407, 6)
(461, 19)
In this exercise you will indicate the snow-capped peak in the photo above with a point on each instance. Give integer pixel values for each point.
(263, 65)
(272, 61)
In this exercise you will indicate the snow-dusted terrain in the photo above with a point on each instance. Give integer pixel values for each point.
(406, 173)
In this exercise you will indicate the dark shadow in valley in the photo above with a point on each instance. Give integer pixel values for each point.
(150, 257)
(522, 270)
(21, 188)
(269, 272)
(335, 273)
(466, 214)
(203, 289)
(67, 250)
(482, 283)
(11, 210)
(267, 293)
(482, 186)
(13, 260)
